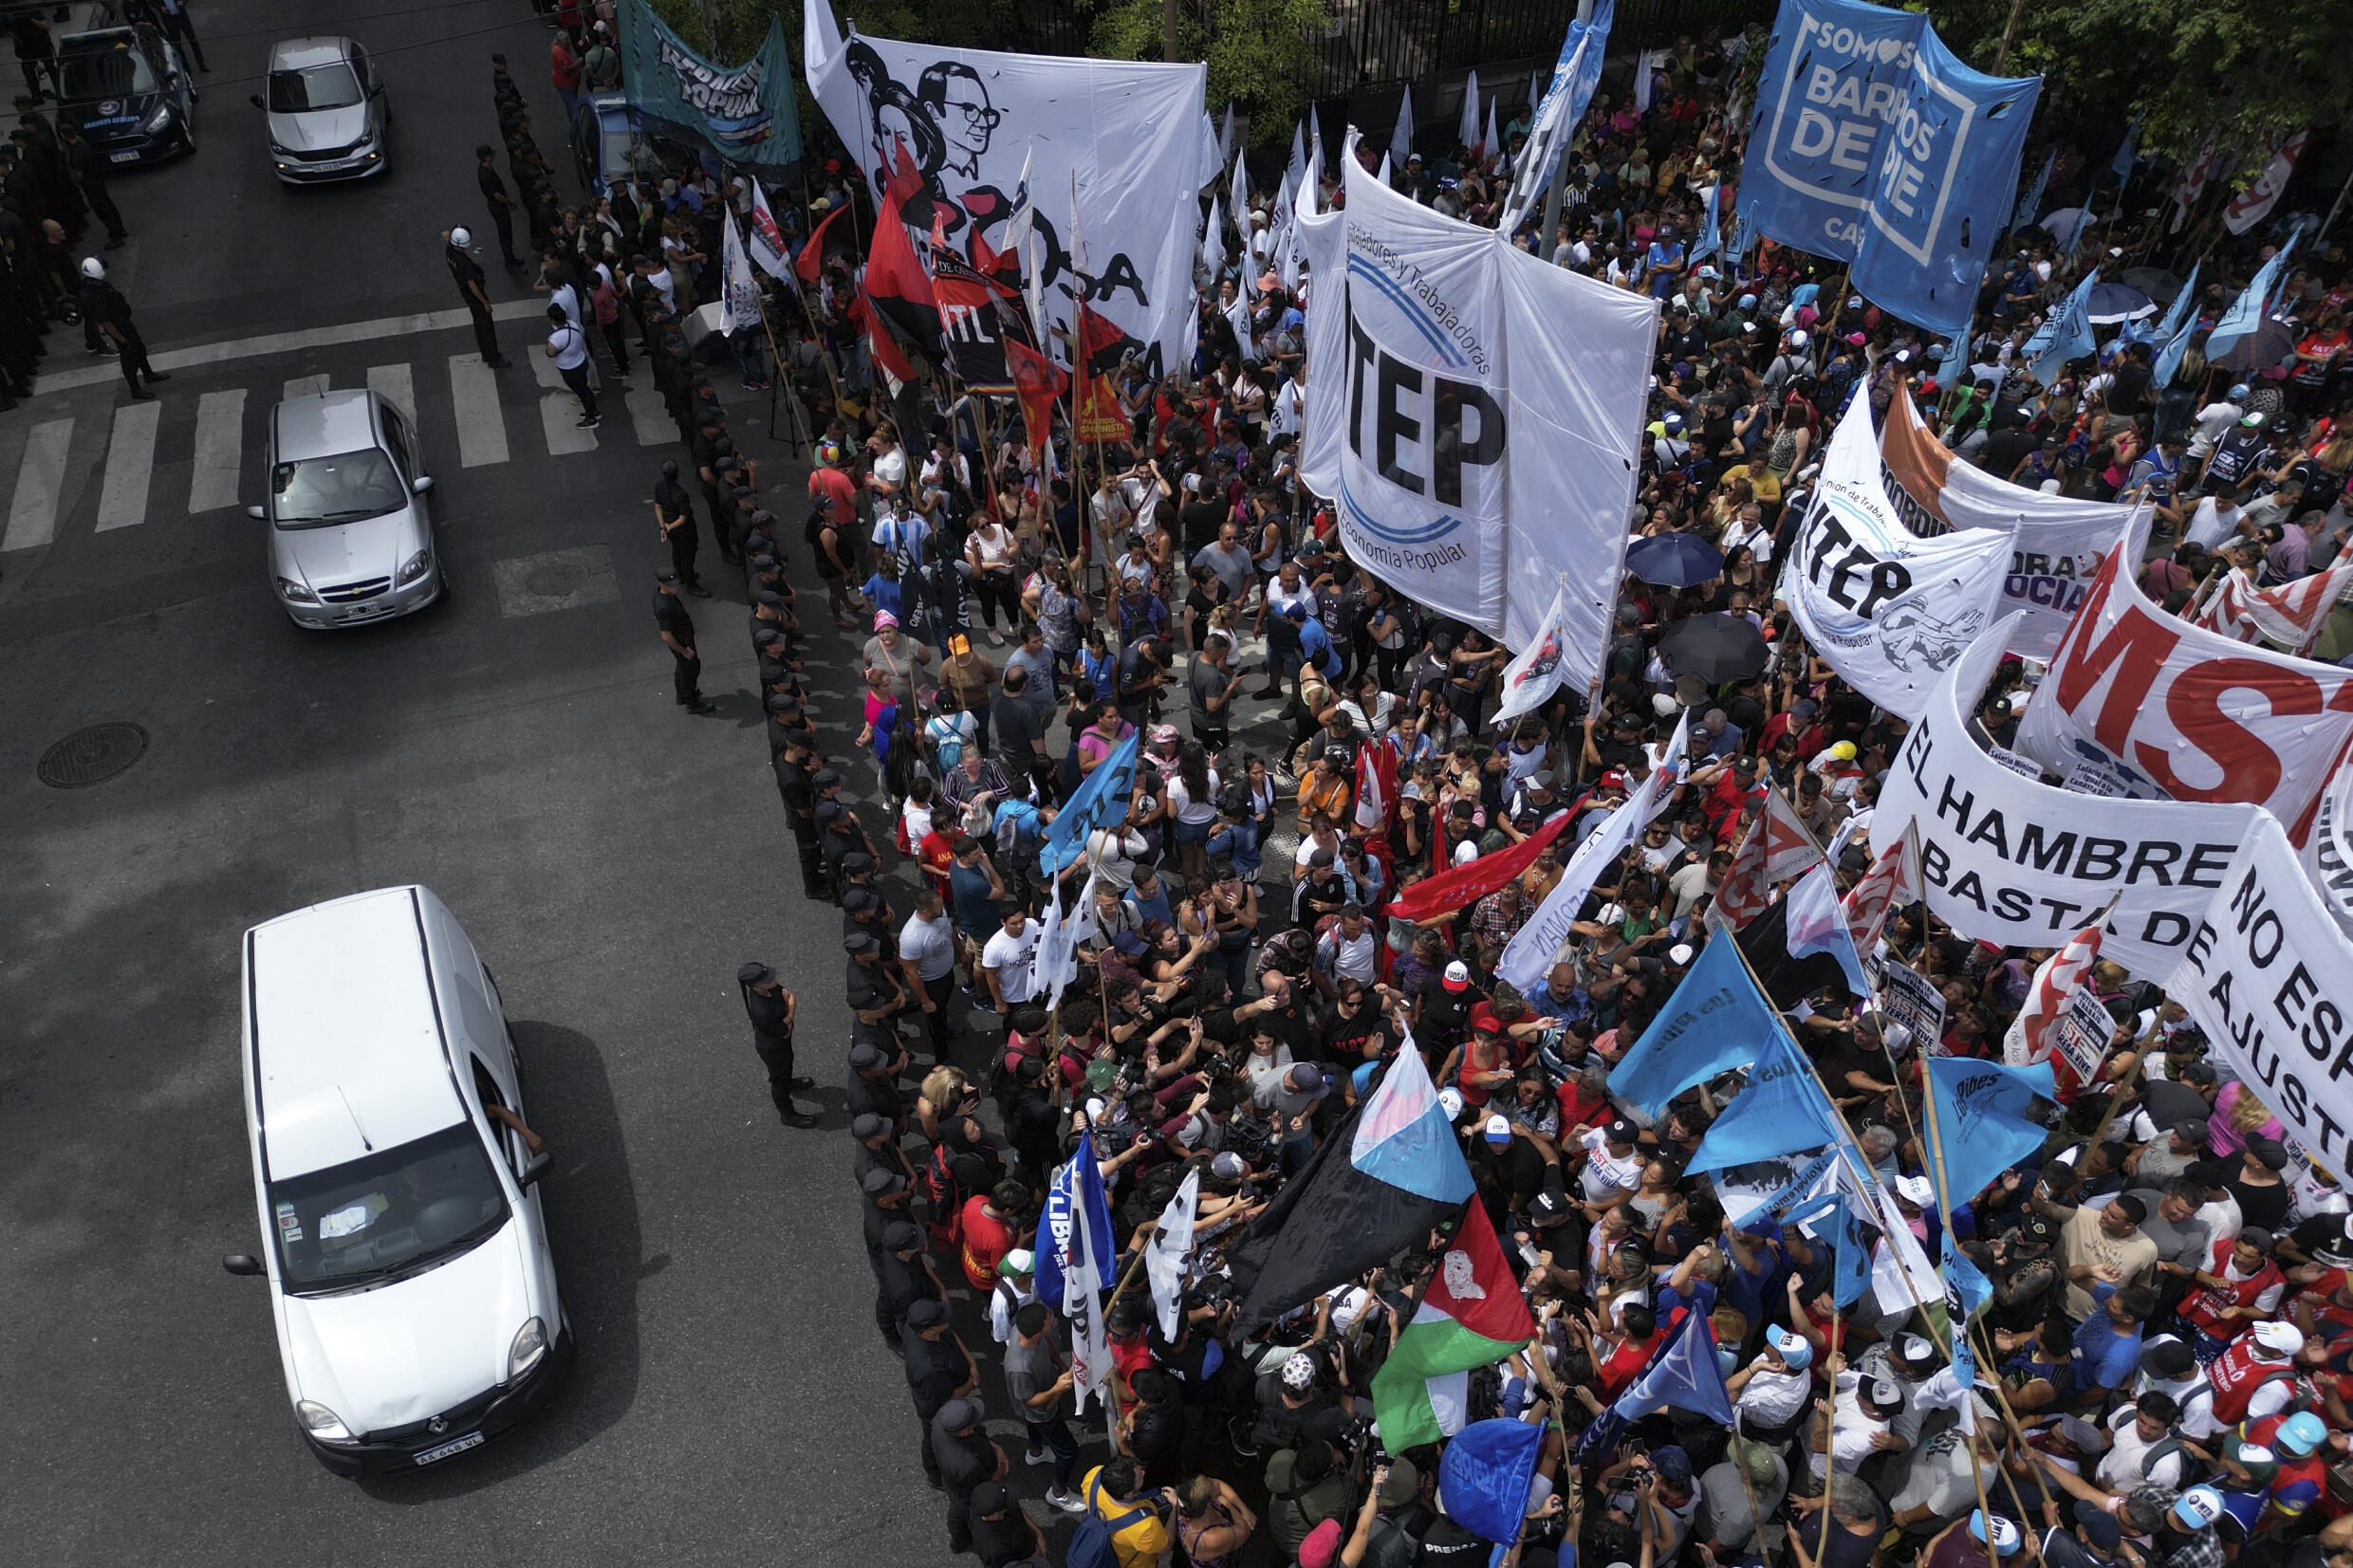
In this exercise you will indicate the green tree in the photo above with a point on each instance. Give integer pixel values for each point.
(1257, 51)
(2247, 68)
(743, 24)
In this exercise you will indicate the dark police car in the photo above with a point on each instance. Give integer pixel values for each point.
(127, 90)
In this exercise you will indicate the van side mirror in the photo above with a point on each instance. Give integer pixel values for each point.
(538, 1168)
(255, 99)
(423, 483)
(257, 514)
(242, 1263)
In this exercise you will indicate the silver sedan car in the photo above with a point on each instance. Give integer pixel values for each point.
(328, 115)
(350, 539)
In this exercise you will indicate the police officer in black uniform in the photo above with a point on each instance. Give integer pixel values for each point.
(103, 304)
(873, 1087)
(903, 1274)
(771, 1008)
(678, 635)
(674, 517)
(472, 293)
(795, 767)
(501, 204)
(89, 168)
(939, 1369)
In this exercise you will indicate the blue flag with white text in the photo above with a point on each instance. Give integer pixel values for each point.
(1781, 1110)
(2064, 335)
(1966, 1289)
(1076, 1184)
(1711, 236)
(1988, 1119)
(1716, 1021)
(1686, 1376)
(1484, 1477)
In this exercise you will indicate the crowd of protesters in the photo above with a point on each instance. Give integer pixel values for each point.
(2168, 1351)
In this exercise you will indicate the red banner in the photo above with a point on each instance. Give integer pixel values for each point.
(1459, 886)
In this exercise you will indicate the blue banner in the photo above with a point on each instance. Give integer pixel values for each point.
(1782, 1110)
(2031, 200)
(1686, 1377)
(1101, 800)
(1873, 144)
(1966, 1289)
(1985, 1119)
(1711, 235)
(1484, 1477)
(745, 114)
(1558, 113)
(1942, 187)
(2247, 310)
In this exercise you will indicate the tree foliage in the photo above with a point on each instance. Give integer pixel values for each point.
(1257, 51)
(743, 24)
(2247, 69)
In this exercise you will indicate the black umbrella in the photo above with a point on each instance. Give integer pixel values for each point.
(2155, 281)
(1715, 647)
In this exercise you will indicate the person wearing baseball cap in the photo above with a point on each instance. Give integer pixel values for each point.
(1772, 1393)
(771, 1009)
(937, 1365)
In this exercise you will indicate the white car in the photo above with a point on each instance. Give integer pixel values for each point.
(329, 118)
(350, 535)
(408, 1273)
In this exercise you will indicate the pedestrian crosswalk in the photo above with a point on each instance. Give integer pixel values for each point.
(186, 456)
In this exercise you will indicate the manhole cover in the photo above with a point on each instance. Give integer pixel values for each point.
(91, 756)
(555, 578)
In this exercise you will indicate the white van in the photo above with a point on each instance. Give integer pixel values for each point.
(398, 1183)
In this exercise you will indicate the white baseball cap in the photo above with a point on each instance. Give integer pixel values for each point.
(2280, 1339)
(461, 237)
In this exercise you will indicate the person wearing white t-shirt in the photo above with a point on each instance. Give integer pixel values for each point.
(1010, 961)
(568, 347)
(2215, 522)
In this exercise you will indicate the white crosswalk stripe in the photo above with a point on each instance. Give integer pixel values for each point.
(32, 513)
(140, 440)
(481, 425)
(130, 462)
(220, 436)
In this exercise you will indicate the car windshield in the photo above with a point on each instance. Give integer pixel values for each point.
(118, 72)
(343, 488)
(313, 87)
(398, 1211)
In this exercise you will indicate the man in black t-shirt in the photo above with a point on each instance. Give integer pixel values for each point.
(501, 204)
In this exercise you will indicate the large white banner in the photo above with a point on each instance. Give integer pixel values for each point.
(2268, 976)
(2162, 707)
(1475, 413)
(1889, 610)
(2013, 861)
(2328, 848)
(1128, 134)
(2060, 542)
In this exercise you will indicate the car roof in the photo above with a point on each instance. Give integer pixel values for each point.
(347, 1046)
(324, 424)
(295, 55)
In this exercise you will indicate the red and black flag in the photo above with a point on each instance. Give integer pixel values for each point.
(899, 290)
(832, 239)
(971, 322)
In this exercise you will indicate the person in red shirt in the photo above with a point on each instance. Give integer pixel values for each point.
(1616, 1372)
(991, 1230)
(564, 70)
(832, 486)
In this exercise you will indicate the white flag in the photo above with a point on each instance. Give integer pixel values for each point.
(1083, 1285)
(1491, 145)
(739, 299)
(1295, 168)
(1213, 241)
(1225, 136)
(1401, 139)
(1238, 316)
(1383, 175)
(767, 241)
(1170, 1250)
(1530, 679)
(1237, 208)
(1467, 132)
(1025, 213)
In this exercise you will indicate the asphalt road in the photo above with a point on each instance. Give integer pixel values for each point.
(518, 751)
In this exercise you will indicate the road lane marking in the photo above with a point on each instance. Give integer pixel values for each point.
(292, 342)
(559, 415)
(130, 463)
(32, 515)
(481, 426)
(221, 437)
(651, 416)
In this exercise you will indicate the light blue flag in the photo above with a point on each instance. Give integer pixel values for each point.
(2031, 200)
(1986, 1119)
(1101, 800)
(2126, 151)
(1711, 239)
(1833, 1216)
(1781, 1110)
(1966, 1289)
(1714, 1022)
(1686, 1377)
(2247, 310)
(1558, 113)
(1818, 924)
(2065, 334)
(2168, 327)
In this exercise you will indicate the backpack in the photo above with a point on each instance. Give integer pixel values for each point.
(1090, 1546)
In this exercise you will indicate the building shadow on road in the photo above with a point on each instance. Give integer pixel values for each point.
(592, 1226)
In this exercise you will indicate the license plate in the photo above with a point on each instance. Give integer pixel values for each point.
(125, 157)
(472, 1440)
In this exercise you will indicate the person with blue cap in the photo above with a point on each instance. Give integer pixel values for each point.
(1964, 1543)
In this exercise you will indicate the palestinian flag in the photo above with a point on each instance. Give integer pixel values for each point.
(1471, 1316)
(1377, 1186)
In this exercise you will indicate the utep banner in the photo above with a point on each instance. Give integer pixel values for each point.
(1476, 419)
(2060, 544)
(2268, 976)
(2018, 862)
(2165, 708)
(1889, 610)
(744, 113)
(1130, 134)
(1873, 144)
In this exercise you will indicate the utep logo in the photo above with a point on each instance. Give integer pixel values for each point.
(1426, 425)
